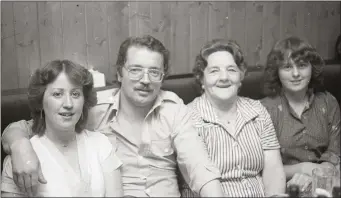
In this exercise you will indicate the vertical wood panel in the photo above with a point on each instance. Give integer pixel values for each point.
(74, 32)
(292, 19)
(118, 31)
(27, 40)
(238, 23)
(218, 20)
(133, 18)
(143, 18)
(198, 29)
(334, 30)
(310, 23)
(97, 36)
(50, 31)
(36, 32)
(254, 32)
(9, 74)
(323, 29)
(180, 38)
(160, 22)
(271, 27)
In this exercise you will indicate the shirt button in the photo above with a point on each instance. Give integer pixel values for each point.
(306, 147)
(304, 131)
(166, 150)
(235, 144)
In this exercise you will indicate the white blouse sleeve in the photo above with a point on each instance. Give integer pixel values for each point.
(107, 154)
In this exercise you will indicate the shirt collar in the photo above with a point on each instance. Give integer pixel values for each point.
(311, 97)
(161, 98)
(245, 110)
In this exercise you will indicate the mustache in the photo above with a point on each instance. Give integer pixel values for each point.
(143, 87)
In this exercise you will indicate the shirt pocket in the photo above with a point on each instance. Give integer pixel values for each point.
(162, 147)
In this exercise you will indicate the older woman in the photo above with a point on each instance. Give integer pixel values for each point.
(237, 131)
(74, 161)
(306, 117)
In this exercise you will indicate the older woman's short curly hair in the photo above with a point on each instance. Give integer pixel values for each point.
(216, 45)
(145, 41)
(46, 75)
(292, 48)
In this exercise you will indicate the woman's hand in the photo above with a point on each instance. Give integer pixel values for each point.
(302, 180)
(26, 166)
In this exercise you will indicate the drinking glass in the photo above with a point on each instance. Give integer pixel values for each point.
(323, 181)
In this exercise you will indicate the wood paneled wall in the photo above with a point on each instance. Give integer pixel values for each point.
(90, 32)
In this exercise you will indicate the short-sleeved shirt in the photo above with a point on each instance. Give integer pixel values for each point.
(313, 137)
(239, 156)
(96, 158)
(168, 140)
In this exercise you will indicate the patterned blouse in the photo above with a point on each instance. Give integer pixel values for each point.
(240, 155)
(313, 137)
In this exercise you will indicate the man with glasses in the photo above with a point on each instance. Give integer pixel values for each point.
(151, 129)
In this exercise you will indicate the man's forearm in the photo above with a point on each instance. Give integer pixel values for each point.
(212, 189)
(290, 170)
(13, 133)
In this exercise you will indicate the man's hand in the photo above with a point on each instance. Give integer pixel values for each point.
(302, 180)
(26, 166)
(308, 167)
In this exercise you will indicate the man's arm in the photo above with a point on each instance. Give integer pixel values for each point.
(16, 131)
(193, 161)
(26, 167)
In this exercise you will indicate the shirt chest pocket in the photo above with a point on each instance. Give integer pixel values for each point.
(162, 147)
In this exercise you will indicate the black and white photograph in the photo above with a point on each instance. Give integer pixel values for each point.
(170, 98)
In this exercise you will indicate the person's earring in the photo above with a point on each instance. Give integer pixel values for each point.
(41, 114)
(202, 87)
(82, 116)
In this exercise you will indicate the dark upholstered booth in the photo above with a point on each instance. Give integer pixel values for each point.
(14, 107)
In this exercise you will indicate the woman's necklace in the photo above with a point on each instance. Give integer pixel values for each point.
(65, 145)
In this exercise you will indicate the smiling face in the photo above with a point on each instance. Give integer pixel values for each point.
(140, 92)
(295, 77)
(222, 77)
(63, 104)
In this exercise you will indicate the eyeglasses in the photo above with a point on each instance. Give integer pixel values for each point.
(136, 73)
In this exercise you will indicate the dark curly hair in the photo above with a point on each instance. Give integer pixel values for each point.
(292, 48)
(46, 75)
(145, 41)
(216, 45)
